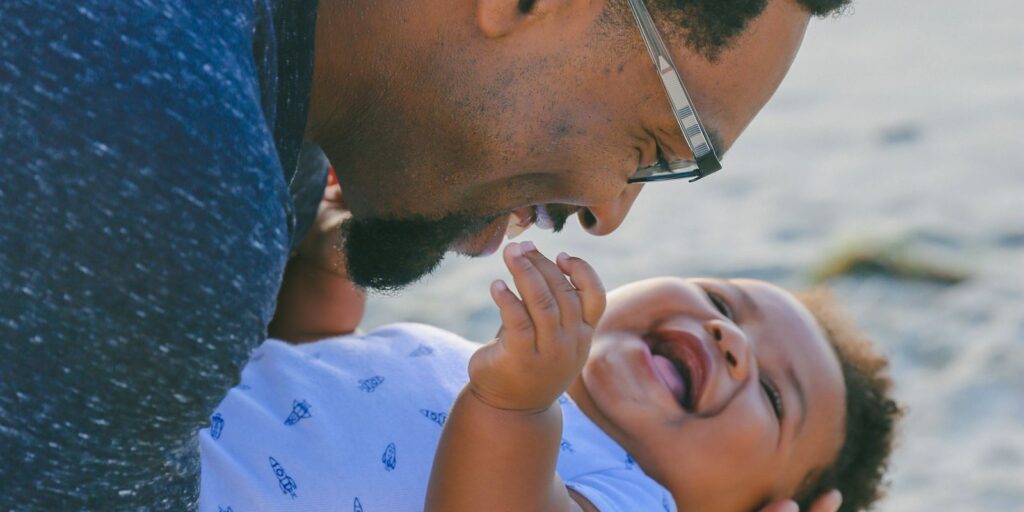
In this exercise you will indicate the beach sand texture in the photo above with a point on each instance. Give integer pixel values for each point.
(900, 126)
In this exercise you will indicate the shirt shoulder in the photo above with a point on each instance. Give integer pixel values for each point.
(332, 421)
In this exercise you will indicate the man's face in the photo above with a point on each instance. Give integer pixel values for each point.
(475, 111)
(724, 391)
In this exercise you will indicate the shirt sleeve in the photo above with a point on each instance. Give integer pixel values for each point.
(143, 234)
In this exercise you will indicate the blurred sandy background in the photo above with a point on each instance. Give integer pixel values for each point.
(899, 134)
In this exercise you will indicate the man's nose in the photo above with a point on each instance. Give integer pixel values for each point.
(734, 346)
(601, 219)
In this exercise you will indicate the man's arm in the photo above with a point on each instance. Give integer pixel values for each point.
(500, 444)
(143, 233)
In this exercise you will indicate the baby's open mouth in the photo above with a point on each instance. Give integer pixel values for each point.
(522, 218)
(680, 363)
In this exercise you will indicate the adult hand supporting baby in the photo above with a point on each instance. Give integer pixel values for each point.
(827, 502)
(545, 335)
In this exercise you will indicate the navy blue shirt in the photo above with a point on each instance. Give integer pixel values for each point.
(150, 192)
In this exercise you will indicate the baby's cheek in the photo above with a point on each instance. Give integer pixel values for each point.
(751, 432)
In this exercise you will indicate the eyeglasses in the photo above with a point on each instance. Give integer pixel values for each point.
(705, 159)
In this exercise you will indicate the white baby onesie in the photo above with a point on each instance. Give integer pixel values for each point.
(352, 423)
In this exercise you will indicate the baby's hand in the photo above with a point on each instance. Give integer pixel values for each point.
(545, 336)
(317, 299)
(322, 245)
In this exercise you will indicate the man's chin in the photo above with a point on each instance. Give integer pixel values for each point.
(390, 254)
(383, 270)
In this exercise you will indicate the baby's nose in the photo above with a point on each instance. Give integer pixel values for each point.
(732, 343)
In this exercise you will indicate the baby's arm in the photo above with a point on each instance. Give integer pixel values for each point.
(500, 444)
(317, 300)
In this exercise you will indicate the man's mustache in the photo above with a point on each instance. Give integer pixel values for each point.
(559, 214)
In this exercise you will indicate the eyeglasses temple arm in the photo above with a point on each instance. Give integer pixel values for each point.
(693, 130)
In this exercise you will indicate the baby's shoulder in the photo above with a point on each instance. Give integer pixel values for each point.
(421, 340)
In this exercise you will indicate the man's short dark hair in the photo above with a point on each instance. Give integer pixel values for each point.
(710, 26)
(871, 413)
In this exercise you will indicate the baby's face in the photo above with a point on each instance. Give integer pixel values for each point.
(724, 391)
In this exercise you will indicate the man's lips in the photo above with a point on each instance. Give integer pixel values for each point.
(683, 364)
(485, 241)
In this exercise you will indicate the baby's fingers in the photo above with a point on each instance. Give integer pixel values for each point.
(516, 327)
(540, 302)
(588, 285)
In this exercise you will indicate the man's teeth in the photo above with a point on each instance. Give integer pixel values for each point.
(515, 226)
(538, 215)
(543, 220)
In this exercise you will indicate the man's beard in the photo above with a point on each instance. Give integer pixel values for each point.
(387, 254)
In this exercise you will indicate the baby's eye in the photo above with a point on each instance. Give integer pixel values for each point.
(774, 397)
(720, 304)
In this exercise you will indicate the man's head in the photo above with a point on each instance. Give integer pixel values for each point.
(734, 394)
(432, 109)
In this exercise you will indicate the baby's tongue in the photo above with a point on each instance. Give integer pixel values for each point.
(669, 376)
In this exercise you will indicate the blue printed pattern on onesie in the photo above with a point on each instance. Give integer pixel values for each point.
(356, 506)
(284, 482)
(566, 446)
(370, 384)
(216, 426)
(421, 351)
(389, 458)
(630, 463)
(300, 410)
(435, 416)
(222, 509)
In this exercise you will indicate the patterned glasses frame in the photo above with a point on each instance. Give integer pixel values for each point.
(705, 159)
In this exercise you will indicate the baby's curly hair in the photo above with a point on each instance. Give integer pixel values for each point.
(871, 413)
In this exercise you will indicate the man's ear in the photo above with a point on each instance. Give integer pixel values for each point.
(499, 18)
